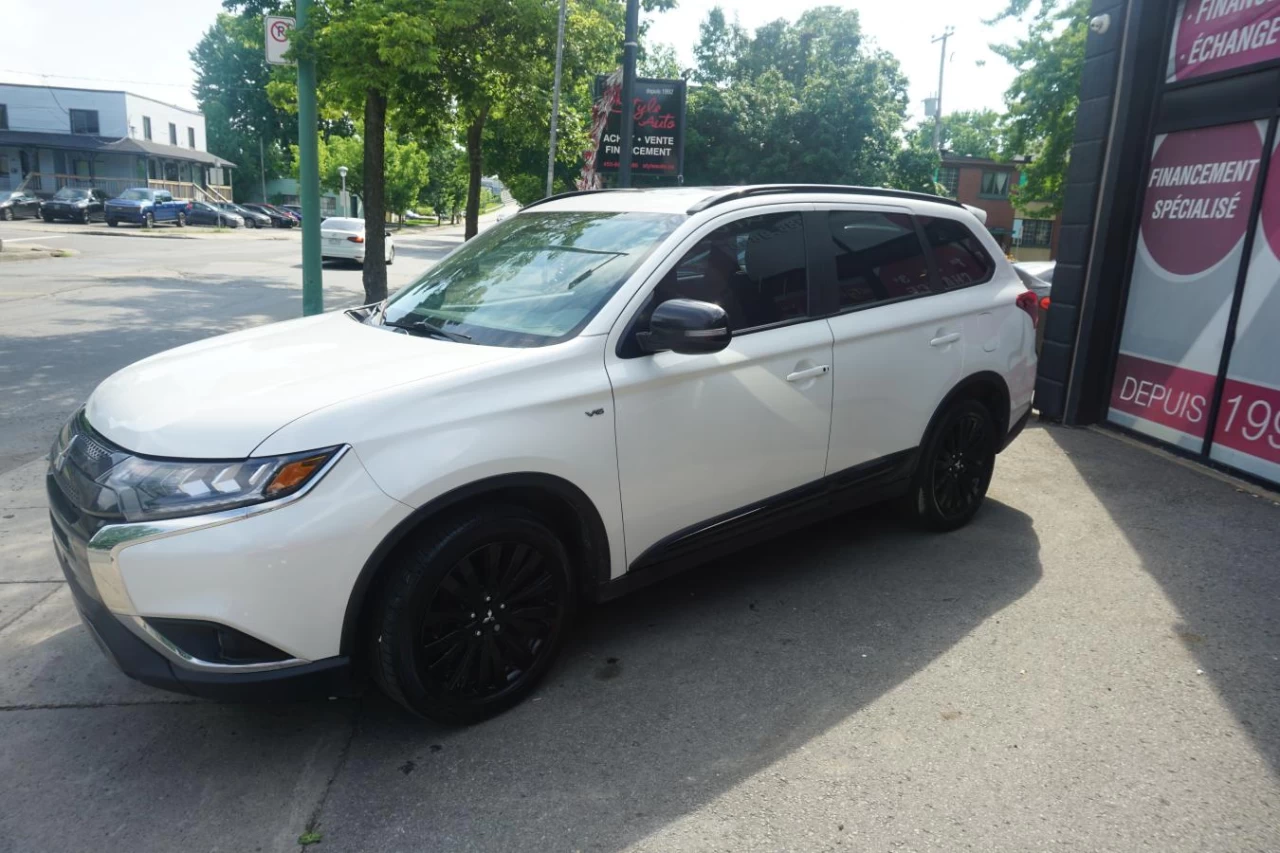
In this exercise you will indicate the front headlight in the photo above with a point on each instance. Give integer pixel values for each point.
(147, 489)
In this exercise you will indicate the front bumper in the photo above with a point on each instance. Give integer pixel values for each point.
(140, 661)
(278, 574)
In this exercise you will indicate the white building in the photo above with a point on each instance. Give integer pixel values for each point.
(51, 137)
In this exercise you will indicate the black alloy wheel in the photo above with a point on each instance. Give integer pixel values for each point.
(473, 615)
(955, 467)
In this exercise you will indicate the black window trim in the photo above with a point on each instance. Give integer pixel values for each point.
(816, 309)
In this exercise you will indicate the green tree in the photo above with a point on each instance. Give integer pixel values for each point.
(659, 60)
(971, 133)
(378, 57)
(805, 101)
(1045, 94)
(231, 90)
(446, 186)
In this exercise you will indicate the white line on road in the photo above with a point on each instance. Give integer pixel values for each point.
(25, 239)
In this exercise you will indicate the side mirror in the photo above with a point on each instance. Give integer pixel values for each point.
(687, 326)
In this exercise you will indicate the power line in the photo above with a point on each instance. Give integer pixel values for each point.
(95, 79)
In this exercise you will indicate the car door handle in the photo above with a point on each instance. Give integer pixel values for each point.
(943, 340)
(810, 373)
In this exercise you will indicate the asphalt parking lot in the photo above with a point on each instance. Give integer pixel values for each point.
(1093, 664)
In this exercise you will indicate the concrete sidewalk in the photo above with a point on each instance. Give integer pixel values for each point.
(1093, 664)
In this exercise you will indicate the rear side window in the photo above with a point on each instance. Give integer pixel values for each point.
(753, 268)
(959, 255)
(878, 257)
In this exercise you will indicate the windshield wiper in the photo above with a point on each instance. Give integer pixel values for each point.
(426, 329)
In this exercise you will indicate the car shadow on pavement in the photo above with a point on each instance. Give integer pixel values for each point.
(672, 696)
(1214, 550)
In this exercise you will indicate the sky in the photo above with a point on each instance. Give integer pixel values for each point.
(142, 45)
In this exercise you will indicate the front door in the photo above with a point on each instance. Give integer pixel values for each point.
(701, 437)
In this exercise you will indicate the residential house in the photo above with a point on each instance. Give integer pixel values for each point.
(52, 137)
(986, 184)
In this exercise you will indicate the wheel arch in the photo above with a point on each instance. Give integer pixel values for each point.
(565, 507)
(988, 388)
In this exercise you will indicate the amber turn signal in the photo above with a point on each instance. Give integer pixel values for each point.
(294, 475)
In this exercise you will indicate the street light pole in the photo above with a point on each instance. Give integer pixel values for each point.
(309, 175)
(555, 100)
(942, 70)
(629, 49)
(342, 173)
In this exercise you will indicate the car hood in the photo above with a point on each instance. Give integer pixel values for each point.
(222, 397)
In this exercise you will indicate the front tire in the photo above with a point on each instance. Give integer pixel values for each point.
(7, 214)
(84, 218)
(148, 220)
(955, 468)
(473, 614)
(113, 223)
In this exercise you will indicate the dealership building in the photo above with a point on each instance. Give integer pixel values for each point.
(1165, 319)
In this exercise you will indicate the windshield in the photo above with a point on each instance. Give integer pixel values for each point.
(535, 279)
(136, 195)
(69, 193)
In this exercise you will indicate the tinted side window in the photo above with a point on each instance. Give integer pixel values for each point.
(961, 259)
(878, 257)
(753, 268)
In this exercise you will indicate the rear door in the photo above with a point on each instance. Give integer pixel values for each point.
(165, 210)
(904, 312)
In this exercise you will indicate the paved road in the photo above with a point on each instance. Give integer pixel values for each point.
(68, 323)
(1093, 664)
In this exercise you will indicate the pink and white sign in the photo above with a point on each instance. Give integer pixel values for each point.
(1199, 190)
(1247, 435)
(1219, 35)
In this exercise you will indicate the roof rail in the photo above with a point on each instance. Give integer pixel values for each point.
(573, 193)
(773, 189)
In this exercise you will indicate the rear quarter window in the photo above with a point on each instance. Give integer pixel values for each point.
(961, 259)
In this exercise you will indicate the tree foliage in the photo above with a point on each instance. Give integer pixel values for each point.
(968, 133)
(808, 101)
(231, 90)
(1045, 94)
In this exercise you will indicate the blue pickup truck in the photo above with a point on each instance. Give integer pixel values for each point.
(146, 207)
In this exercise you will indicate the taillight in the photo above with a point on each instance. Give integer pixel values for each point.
(1027, 302)
(356, 238)
(1044, 303)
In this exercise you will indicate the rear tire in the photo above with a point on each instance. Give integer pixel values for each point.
(391, 256)
(182, 219)
(955, 468)
(473, 614)
(7, 214)
(112, 223)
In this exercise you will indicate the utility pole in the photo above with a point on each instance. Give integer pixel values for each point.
(942, 70)
(309, 176)
(555, 101)
(629, 48)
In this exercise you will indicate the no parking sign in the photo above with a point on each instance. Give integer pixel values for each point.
(277, 38)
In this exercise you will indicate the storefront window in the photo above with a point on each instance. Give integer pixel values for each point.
(1199, 190)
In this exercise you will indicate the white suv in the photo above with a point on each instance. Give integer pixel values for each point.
(604, 388)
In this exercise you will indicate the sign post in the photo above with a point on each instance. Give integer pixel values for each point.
(309, 177)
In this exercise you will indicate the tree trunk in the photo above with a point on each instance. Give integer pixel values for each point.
(475, 162)
(375, 215)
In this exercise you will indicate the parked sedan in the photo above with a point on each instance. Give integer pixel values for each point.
(278, 217)
(294, 210)
(342, 238)
(252, 218)
(75, 205)
(18, 204)
(203, 213)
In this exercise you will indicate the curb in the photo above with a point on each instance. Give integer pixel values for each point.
(34, 253)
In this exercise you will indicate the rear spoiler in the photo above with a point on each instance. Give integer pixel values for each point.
(978, 212)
